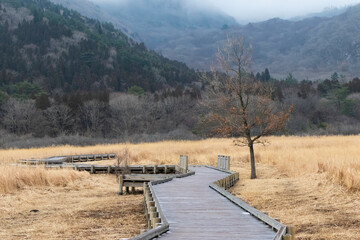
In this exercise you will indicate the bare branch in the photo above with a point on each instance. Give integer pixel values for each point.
(241, 106)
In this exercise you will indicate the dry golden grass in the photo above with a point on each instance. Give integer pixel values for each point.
(319, 209)
(14, 178)
(86, 209)
(337, 156)
(310, 182)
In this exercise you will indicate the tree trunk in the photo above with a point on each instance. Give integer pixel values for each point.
(252, 161)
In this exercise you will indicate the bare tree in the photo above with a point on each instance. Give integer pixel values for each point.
(242, 107)
(127, 112)
(92, 116)
(18, 115)
(60, 118)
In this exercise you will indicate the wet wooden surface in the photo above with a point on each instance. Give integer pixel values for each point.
(195, 211)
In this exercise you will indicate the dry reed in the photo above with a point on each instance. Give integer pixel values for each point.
(87, 209)
(337, 156)
(13, 178)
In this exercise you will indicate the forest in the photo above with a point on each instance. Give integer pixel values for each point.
(331, 106)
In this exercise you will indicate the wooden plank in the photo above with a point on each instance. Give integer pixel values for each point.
(195, 211)
(260, 215)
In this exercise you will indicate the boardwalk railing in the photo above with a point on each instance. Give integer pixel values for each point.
(69, 159)
(221, 186)
(156, 221)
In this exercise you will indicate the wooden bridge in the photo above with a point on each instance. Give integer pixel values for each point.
(195, 211)
(200, 207)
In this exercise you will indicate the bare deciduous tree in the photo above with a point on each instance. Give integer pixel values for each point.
(60, 118)
(241, 106)
(92, 116)
(18, 115)
(127, 111)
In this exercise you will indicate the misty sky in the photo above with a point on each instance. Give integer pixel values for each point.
(257, 10)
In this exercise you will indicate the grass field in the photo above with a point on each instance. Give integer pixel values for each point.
(86, 209)
(310, 182)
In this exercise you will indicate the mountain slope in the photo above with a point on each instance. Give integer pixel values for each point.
(173, 27)
(59, 49)
(313, 47)
(90, 10)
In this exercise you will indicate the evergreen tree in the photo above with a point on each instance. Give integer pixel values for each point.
(266, 75)
(335, 76)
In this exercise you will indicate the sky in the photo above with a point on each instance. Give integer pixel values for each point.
(259, 10)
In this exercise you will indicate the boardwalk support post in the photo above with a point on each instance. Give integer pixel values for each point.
(155, 169)
(156, 221)
(286, 237)
(109, 169)
(291, 231)
(121, 184)
(92, 169)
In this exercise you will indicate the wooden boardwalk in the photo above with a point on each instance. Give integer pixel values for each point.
(195, 211)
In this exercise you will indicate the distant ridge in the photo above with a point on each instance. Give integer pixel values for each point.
(313, 47)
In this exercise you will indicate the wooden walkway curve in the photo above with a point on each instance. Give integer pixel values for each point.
(195, 211)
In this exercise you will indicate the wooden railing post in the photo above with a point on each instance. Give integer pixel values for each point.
(223, 162)
(227, 162)
(184, 162)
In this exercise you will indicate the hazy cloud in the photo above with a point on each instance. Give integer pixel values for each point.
(257, 10)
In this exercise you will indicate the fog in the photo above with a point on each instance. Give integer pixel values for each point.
(258, 10)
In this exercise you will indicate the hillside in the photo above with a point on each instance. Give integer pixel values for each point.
(177, 29)
(313, 47)
(91, 10)
(47, 46)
